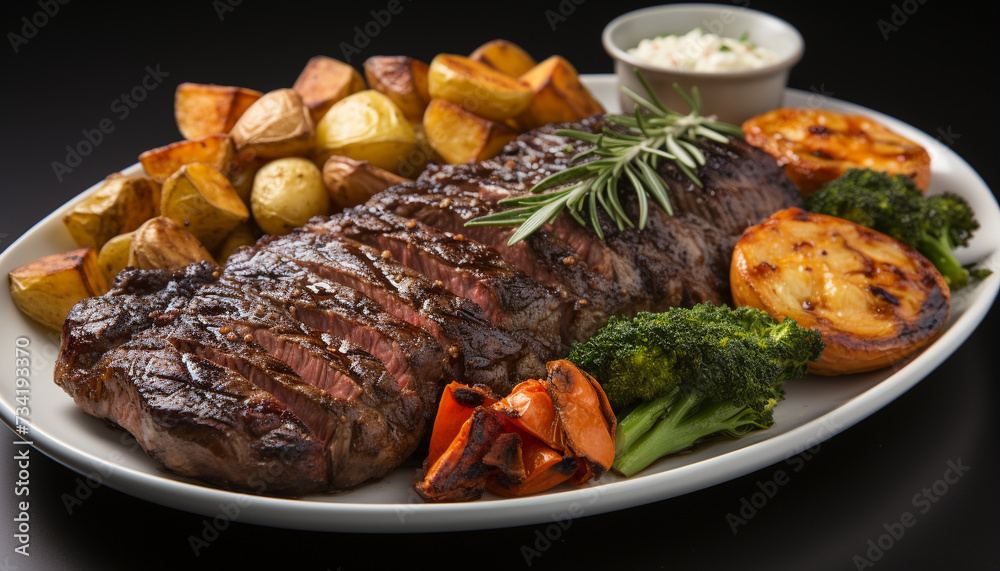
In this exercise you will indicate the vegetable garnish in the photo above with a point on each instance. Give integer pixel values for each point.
(632, 151)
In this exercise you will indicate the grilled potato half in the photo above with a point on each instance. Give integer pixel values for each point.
(477, 87)
(873, 299)
(49, 287)
(816, 146)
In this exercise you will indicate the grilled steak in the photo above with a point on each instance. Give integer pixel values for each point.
(324, 352)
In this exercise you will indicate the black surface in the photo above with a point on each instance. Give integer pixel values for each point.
(936, 71)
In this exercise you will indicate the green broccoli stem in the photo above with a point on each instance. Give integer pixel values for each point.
(641, 419)
(939, 252)
(688, 421)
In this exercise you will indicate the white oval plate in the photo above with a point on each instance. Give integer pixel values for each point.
(815, 408)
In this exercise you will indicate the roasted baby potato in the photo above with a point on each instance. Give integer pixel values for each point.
(162, 244)
(113, 257)
(203, 201)
(203, 110)
(403, 80)
(350, 182)
(276, 125)
(477, 87)
(460, 136)
(120, 205)
(557, 95)
(325, 81)
(505, 57)
(49, 287)
(366, 126)
(243, 235)
(816, 146)
(214, 150)
(286, 193)
(872, 298)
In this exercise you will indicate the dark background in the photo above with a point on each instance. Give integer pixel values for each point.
(936, 71)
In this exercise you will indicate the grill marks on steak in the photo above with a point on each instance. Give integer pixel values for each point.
(507, 296)
(481, 353)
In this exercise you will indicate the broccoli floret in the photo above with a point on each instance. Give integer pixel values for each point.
(695, 373)
(933, 225)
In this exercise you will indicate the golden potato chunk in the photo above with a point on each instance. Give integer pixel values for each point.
(120, 205)
(403, 80)
(816, 146)
(203, 201)
(366, 126)
(243, 235)
(113, 257)
(504, 56)
(214, 150)
(325, 81)
(477, 87)
(557, 95)
(872, 298)
(276, 125)
(350, 182)
(203, 110)
(162, 244)
(462, 137)
(49, 287)
(286, 193)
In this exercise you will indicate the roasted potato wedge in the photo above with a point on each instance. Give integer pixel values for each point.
(816, 146)
(113, 257)
(286, 193)
(202, 110)
(505, 57)
(403, 80)
(477, 87)
(120, 205)
(243, 235)
(872, 298)
(202, 200)
(276, 125)
(162, 244)
(214, 150)
(49, 287)
(460, 136)
(350, 182)
(325, 81)
(366, 126)
(557, 95)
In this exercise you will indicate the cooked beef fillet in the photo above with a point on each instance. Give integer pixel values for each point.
(372, 427)
(508, 297)
(409, 353)
(542, 256)
(199, 419)
(481, 352)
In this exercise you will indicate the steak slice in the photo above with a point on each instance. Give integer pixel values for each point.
(481, 352)
(409, 353)
(362, 436)
(197, 418)
(544, 257)
(508, 297)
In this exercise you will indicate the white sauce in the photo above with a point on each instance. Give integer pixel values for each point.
(698, 51)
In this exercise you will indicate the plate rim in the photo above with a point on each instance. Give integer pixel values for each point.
(172, 491)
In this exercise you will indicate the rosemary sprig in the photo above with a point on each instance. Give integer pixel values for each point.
(632, 152)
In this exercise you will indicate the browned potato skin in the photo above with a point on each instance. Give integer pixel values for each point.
(559, 95)
(277, 125)
(325, 81)
(47, 288)
(203, 110)
(213, 150)
(162, 244)
(816, 146)
(350, 182)
(504, 56)
(120, 205)
(460, 136)
(403, 80)
(887, 302)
